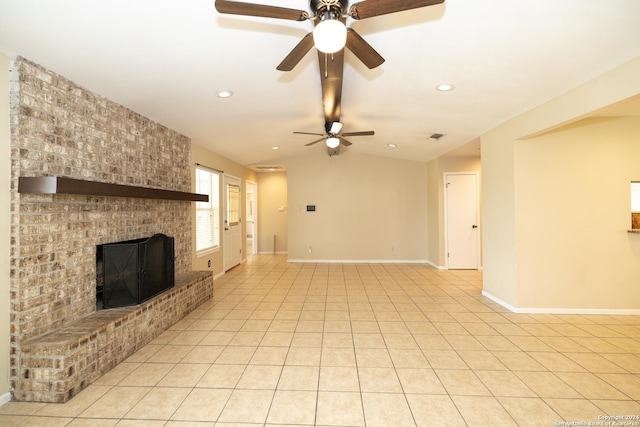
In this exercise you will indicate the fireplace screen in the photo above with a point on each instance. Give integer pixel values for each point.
(133, 271)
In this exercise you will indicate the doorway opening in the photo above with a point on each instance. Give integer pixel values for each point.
(251, 218)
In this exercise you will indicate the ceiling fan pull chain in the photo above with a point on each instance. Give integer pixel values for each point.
(326, 66)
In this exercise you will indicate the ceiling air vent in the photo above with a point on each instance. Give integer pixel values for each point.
(435, 136)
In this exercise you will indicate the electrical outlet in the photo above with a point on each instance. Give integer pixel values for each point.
(310, 250)
(209, 263)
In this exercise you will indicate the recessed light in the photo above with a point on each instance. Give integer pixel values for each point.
(224, 94)
(268, 168)
(445, 87)
(392, 145)
(275, 147)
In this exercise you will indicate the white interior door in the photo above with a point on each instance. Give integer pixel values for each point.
(232, 221)
(461, 221)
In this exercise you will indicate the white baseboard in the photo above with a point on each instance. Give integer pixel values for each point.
(5, 398)
(439, 267)
(499, 301)
(361, 261)
(444, 267)
(537, 310)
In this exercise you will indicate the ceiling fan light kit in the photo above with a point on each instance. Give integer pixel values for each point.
(333, 142)
(330, 36)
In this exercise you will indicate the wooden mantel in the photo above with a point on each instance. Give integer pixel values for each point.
(61, 185)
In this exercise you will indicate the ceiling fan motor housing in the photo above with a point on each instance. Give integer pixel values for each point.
(322, 6)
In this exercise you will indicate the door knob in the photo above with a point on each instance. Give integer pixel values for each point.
(474, 226)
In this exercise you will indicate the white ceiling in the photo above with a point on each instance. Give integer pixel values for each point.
(166, 59)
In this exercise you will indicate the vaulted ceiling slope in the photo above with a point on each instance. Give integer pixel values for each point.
(167, 59)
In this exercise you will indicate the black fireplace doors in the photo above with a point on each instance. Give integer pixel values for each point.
(134, 271)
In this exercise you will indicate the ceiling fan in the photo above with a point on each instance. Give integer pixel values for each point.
(330, 34)
(333, 137)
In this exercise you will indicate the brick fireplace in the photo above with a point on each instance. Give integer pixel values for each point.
(59, 343)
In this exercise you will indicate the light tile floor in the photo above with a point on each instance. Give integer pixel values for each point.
(362, 345)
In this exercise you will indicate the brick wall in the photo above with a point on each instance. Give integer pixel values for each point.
(61, 129)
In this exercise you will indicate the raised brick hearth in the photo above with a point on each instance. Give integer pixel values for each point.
(59, 343)
(58, 365)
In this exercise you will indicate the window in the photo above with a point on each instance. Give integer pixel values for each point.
(207, 213)
(635, 197)
(233, 205)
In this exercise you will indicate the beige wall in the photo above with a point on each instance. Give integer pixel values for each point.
(435, 182)
(573, 214)
(201, 155)
(498, 218)
(367, 208)
(435, 211)
(272, 212)
(5, 178)
(554, 210)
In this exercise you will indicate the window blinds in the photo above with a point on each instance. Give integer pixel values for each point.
(635, 197)
(207, 213)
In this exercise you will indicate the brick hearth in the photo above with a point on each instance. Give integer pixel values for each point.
(57, 365)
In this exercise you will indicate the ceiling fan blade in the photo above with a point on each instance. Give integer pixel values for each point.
(314, 142)
(344, 141)
(310, 133)
(370, 8)
(250, 9)
(363, 133)
(297, 53)
(363, 50)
